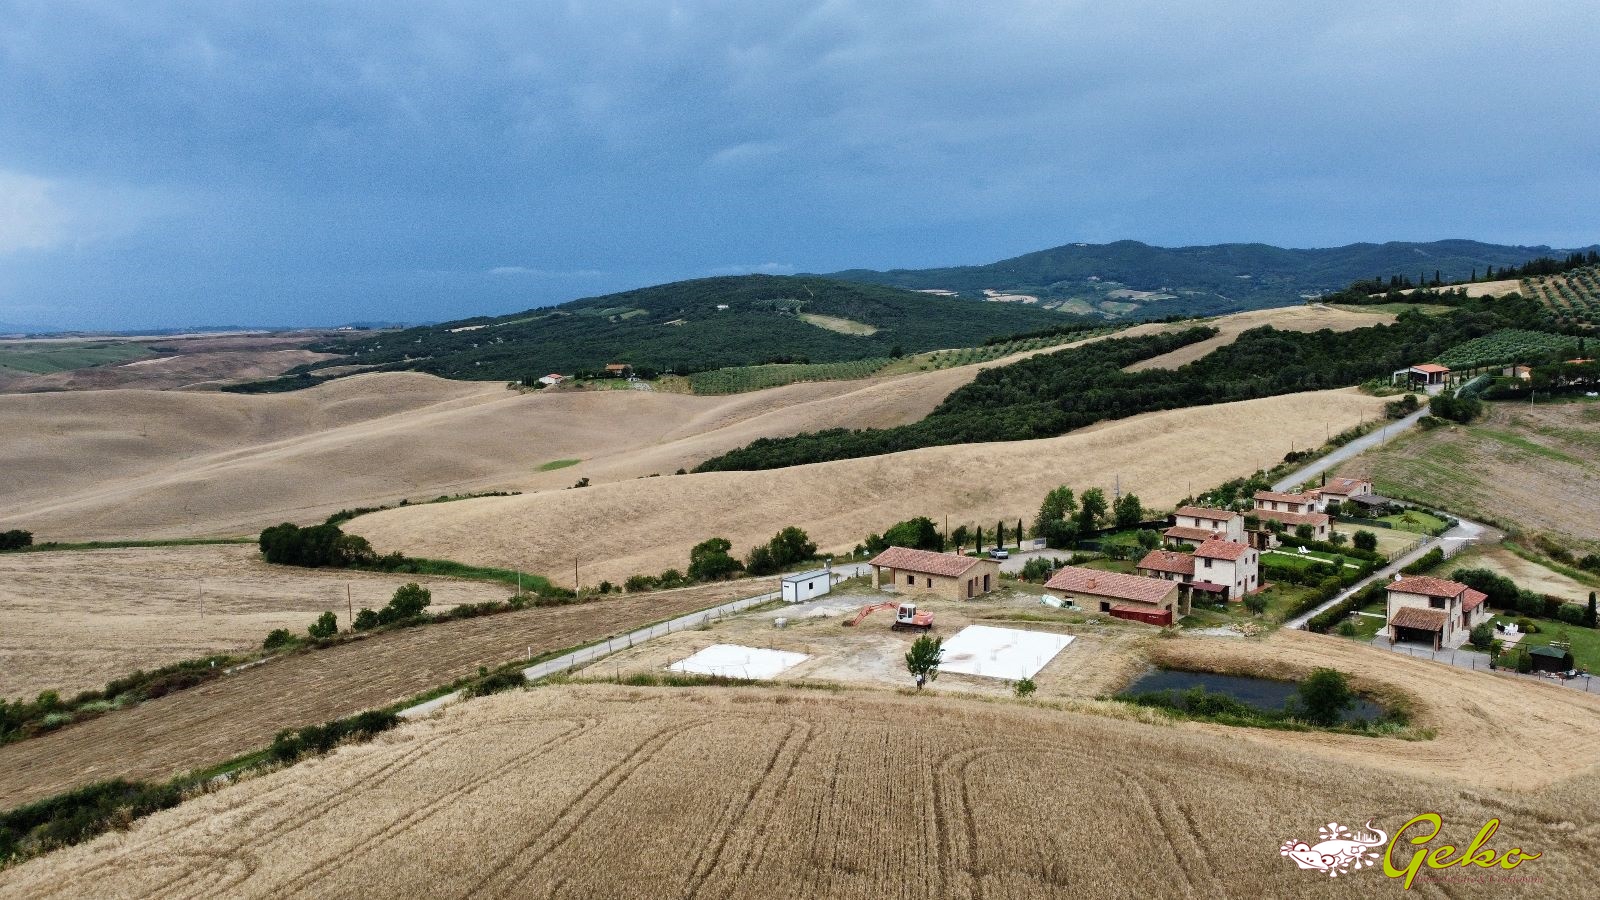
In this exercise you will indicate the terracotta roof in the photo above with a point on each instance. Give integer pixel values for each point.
(1472, 599)
(1281, 497)
(1210, 587)
(1096, 583)
(1220, 549)
(1167, 561)
(1417, 617)
(1345, 486)
(1430, 367)
(1203, 512)
(1428, 586)
(1289, 518)
(1185, 533)
(925, 562)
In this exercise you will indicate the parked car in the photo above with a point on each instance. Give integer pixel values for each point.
(999, 553)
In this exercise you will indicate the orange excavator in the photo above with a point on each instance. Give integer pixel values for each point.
(906, 616)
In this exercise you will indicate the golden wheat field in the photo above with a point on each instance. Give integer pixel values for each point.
(639, 526)
(595, 791)
(77, 619)
(1291, 318)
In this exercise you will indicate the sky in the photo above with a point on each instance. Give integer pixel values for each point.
(168, 164)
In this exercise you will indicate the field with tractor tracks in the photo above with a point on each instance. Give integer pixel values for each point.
(240, 713)
(808, 794)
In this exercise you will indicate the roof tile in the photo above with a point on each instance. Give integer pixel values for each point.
(925, 562)
(1111, 584)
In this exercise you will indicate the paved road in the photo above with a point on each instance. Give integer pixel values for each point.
(1451, 541)
(1348, 451)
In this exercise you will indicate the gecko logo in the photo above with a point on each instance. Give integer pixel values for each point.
(1338, 850)
(1341, 851)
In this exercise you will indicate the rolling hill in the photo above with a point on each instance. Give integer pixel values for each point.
(691, 326)
(1129, 279)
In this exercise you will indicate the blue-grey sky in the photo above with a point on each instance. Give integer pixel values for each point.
(172, 163)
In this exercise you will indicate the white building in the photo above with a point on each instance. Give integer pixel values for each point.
(803, 586)
(1434, 611)
(1230, 564)
(1193, 524)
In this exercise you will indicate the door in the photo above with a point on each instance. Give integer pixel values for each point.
(986, 583)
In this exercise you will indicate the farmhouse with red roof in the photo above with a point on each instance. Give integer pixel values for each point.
(1133, 597)
(1435, 612)
(949, 575)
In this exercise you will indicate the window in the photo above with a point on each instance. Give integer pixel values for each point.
(1208, 563)
(1105, 606)
(911, 580)
(930, 582)
(1436, 602)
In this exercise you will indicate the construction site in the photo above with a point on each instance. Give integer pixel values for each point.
(857, 636)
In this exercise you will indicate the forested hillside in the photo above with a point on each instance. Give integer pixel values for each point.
(1051, 394)
(1128, 279)
(693, 326)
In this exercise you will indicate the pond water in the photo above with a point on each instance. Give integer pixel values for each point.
(1260, 693)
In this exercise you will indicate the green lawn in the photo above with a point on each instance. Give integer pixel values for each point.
(1298, 560)
(1107, 564)
(43, 358)
(1585, 641)
(555, 464)
(1414, 520)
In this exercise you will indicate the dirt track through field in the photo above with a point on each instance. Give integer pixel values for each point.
(602, 791)
(241, 713)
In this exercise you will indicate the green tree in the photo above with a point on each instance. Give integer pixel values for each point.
(409, 601)
(1000, 534)
(326, 626)
(759, 561)
(1589, 617)
(922, 660)
(277, 637)
(1324, 696)
(1020, 534)
(710, 560)
(960, 536)
(919, 533)
(1148, 539)
(1129, 511)
(1304, 532)
(791, 545)
(366, 620)
(1091, 510)
(1256, 602)
(977, 539)
(1482, 635)
(1058, 508)
(1366, 540)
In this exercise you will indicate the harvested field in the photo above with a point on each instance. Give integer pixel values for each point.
(582, 791)
(1162, 457)
(240, 713)
(110, 464)
(1528, 468)
(158, 464)
(1292, 318)
(77, 619)
(176, 362)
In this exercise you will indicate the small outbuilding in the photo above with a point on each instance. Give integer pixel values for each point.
(1136, 597)
(803, 586)
(1549, 659)
(946, 574)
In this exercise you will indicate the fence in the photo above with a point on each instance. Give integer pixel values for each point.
(1473, 659)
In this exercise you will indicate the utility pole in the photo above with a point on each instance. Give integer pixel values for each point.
(574, 576)
(350, 606)
(202, 586)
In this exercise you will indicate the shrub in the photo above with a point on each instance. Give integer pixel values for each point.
(1425, 562)
(1025, 687)
(78, 815)
(326, 626)
(496, 682)
(314, 547)
(291, 744)
(1304, 532)
(1347, 628)
(710, 560)
(1256, 603)
(1482, 636)
(637, 583)
(366, 620)
(1366, 540)
(1571, 613)
(1039, 568)
(277, 637)
(1324, 695)
(15, 539)
(1527, 626)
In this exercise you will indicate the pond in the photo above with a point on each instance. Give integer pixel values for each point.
(1258, 693)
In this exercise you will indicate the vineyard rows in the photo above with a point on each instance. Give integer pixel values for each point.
(1573, 298)
(1506, 346)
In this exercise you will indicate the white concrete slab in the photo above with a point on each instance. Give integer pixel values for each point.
(734, 661)
(1008, 653)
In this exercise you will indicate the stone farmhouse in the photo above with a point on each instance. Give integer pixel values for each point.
(948, 575)
(1135, 597)
(1293, 510)
(1193, 524)
(1433, 611)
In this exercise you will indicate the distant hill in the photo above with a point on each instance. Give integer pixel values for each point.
(1128, 279)
(695, 325)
